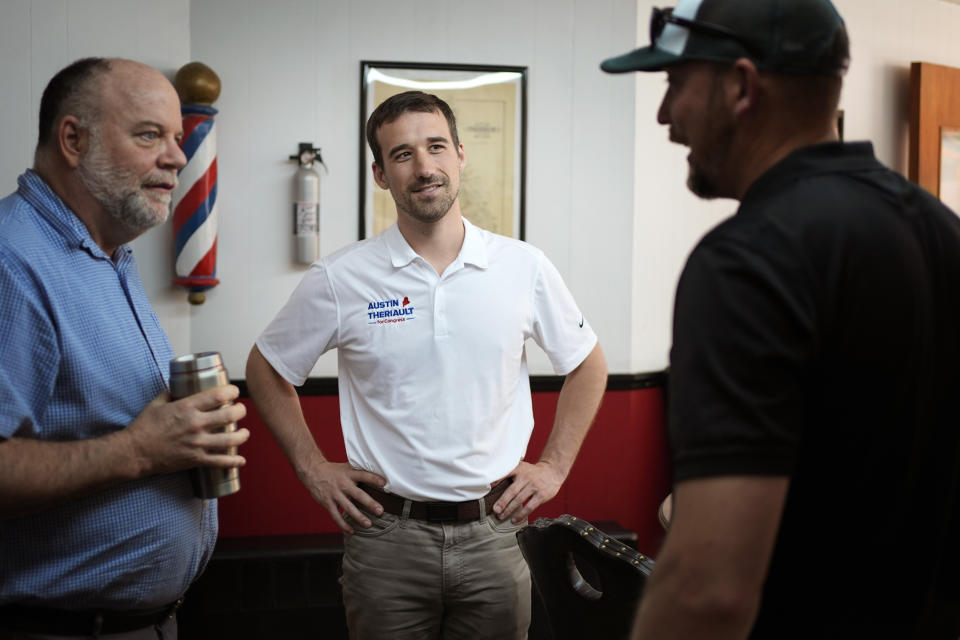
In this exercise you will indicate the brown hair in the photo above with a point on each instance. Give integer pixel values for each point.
(396, 105)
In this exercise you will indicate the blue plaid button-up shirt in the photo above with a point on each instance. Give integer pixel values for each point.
(81, 354)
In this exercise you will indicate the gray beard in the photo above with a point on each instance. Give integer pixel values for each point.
(118, 192)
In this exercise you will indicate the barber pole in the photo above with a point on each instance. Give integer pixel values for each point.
(195, 198)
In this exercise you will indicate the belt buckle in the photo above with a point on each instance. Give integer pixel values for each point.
(441, 511)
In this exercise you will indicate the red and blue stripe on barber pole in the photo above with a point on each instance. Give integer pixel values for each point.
(195, 203)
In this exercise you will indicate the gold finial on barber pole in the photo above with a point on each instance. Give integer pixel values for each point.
(197, 84)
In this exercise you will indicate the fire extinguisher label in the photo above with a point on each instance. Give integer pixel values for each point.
(305, 220)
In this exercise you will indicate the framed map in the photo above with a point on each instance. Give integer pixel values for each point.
(489, 103)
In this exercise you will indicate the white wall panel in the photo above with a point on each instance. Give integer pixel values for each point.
(294, 70)
(18, 135)
(886, 35)
(605, 189)
(37, 39)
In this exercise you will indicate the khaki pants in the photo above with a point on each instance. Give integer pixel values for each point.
(407, 579)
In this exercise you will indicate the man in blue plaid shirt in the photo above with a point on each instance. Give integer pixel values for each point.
(100, 532)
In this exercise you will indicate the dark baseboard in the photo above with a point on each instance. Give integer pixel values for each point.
(615, 382)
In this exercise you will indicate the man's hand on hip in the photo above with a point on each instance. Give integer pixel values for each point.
(533, 485)
(333, 484)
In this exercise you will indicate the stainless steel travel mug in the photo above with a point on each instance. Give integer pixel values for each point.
(191, 374)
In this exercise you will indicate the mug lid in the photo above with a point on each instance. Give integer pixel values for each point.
(196, 362)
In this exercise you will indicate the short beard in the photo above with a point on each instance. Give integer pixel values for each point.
(430, 213)
(704, 178)
(702, 185)
(118, 190)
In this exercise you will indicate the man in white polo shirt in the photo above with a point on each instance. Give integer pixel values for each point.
(429, 320)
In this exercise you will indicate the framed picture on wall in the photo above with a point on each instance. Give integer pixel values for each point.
(950, 167)
(934, 158)
(489, 103)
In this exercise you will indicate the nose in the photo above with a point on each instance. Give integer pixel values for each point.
(663, 113)
(172, 156)
(424, 166)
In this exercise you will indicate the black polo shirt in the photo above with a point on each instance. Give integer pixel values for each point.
(816, 337)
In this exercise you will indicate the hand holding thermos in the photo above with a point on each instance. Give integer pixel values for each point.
(192, 374)
(193, 427)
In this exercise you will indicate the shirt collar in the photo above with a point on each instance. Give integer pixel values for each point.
(48, 204)
(818, 159)
(473, 251)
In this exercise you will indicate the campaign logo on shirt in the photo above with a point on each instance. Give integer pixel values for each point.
(390, 311)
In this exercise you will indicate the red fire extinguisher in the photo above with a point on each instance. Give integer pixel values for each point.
(306, 205)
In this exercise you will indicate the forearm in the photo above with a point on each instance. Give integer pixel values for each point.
(710, 573)
(677, 606)
(333, 485)
(37, 474)
(279, 407)
(674, 609)
(577, 406)
(165, 437)
(536, 484)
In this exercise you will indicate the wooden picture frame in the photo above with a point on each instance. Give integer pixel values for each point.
(934, 123)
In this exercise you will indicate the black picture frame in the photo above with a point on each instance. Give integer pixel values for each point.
(490, 104)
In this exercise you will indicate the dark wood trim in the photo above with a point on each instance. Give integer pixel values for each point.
(615, 382)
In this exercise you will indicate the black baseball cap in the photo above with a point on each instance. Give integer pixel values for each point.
(803, 37)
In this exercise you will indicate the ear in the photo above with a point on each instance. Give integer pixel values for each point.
(462, 155)
(744, 86)
(72, 140)
(379, 178)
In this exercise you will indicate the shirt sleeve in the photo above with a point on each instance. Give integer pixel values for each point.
(29, 357)
(304, 329)
(743, 336)
(559, 327)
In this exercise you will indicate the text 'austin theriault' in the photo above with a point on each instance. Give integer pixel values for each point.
(390, 309)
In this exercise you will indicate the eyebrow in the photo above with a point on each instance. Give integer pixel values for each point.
(405, 145)
(398, 148)
(152, 123)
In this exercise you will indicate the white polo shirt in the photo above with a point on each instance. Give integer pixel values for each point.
(434, 388)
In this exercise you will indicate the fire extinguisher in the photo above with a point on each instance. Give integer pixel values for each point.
(306, 204)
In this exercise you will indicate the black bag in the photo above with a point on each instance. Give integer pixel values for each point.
(589, 583)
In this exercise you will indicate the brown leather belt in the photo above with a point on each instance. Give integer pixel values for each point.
(62, 622)
(438, 511)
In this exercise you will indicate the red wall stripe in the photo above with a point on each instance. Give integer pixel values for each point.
(621, 474)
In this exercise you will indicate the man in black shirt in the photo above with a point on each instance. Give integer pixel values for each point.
(814, 426)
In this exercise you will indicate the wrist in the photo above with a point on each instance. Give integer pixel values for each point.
(129, 455)
(311, 468)
(556, 467)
